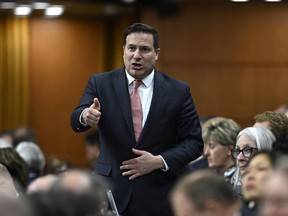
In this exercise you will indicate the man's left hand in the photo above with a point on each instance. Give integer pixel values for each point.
(141, 165)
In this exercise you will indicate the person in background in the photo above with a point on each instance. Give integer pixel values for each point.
(86, 181)
(7, 186)
(76, 192)
(64, 203)
(23, 134)
(281, 143)
(276, 122)
(55, 165)
(201, 162)
(203, 193)
(34, 158)
(91, 140)
(5, 144)
(148, 125)
(274, 196)
(16, 166)
(6, 138)
(249, 141)
(260, 165)
(11, 206)
(42, 184)
(219, 139)
(91, 188)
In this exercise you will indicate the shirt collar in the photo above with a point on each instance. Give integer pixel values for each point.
(147, 81)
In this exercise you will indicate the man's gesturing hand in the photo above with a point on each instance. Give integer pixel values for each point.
(92, 114)
(141, 165)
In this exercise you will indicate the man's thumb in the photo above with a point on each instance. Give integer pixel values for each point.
(96, 104)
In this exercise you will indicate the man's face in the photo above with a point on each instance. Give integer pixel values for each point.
(139, 55)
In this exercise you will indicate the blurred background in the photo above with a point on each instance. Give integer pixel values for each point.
(234, 56)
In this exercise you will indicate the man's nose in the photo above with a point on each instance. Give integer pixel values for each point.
(137, 54)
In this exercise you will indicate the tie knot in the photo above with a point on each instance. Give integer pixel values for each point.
(136, 84)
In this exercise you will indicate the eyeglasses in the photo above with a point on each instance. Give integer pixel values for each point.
(247, 152)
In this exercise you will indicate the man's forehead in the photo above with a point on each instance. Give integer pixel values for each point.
(140, 37)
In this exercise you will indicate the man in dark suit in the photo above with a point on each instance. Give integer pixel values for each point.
(141, 170)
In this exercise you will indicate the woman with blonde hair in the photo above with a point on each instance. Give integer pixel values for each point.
(219, 139)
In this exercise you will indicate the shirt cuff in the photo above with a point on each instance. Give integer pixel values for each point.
(80, 119)
(165, 164)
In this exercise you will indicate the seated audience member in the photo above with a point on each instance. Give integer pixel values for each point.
(4, 144)
(42, 184)
(276, 122)
(11, 206)
(73, 193)
(16, 166)
(274, 200)
(204, 193)
(6, 138)
(33, 156)
(249, 141)
(202, 162)
(66, 203)
(24, 134)
(55, 165)
(7, 187)
(90, 186)
(219, 139)
(260, 165)
(281, 143)
(91, 140)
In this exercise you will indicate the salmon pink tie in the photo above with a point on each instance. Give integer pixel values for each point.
(136, 108)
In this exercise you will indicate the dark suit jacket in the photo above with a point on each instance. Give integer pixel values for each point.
(172, 129)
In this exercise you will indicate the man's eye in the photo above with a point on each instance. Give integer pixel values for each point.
(145, 49)
(131, 48)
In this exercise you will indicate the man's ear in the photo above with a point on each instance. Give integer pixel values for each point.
(157, 52)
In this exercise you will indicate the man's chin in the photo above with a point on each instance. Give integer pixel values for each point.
(137, 74)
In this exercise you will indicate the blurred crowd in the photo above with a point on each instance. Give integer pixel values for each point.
(242, 172)
(238, 171)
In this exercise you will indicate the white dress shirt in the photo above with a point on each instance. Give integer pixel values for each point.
(146, 92)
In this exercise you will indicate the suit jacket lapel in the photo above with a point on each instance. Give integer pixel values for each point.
(121, 88)
(158, 94)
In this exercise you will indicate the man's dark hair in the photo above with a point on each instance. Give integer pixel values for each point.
(142, 28)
